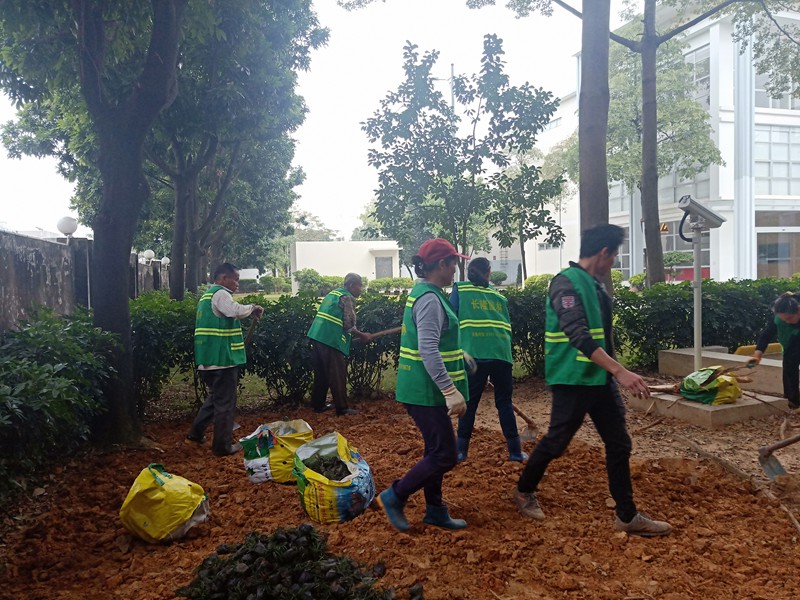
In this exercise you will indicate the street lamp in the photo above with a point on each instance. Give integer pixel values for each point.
(67, 226)
(148, 255)
(165, 262)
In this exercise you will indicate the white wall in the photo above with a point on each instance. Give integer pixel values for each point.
(341, 258)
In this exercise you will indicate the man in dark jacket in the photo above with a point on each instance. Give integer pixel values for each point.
(583, 374)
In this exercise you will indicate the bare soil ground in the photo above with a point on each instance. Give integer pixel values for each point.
(732, 538)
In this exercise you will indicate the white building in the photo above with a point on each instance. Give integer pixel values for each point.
(757, 189)
(373, 259)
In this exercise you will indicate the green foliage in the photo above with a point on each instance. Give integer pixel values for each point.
(526, 309)
(541, 281)
(312, 283)
(275, 285)
(249, 286)
(391, 284)
(51, 375)
(498, 277)
(616, 276)
(162, 338)
(368, 361)
(433, 181)
(638, 280)
(280, 352)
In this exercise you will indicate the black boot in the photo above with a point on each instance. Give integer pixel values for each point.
(463, 445)
(439, 516)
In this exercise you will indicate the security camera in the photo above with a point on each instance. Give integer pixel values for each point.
(697, 211)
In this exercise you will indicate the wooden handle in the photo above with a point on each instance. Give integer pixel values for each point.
(525, 417)
(386, 332)
(767, 450)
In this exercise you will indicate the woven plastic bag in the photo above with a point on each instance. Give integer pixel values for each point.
(161, 506)
(335, 483)
(722, 389)
(269, 450)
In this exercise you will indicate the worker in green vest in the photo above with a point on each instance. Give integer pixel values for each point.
(583, 374)
(431, 383)
(486, 336)
(219, 354)
(331, 332)
(784, 324)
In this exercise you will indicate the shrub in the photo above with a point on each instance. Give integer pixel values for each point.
(498, 277)
(391, 284)
(51, 375)
(162, 340)
(638, 280)
(280, 352)
(368, 361)
(616, 276)
(538, 281)
(526, 311)
(312, 283)
(275, 285)
(248, 286)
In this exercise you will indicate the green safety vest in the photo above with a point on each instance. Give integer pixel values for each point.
(484, 321)
(563, 362)
(218, 341)
(327, 326)
(785, 333)
(414, 385)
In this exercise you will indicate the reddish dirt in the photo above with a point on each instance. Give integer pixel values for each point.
(730, 540)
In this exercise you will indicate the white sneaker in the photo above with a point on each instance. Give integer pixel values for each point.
(644, 526)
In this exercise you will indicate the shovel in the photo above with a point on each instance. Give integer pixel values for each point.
(531, 430)
(771, 465)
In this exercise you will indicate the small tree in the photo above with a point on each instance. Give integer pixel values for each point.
(498, 277)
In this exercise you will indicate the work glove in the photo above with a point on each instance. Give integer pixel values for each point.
(456, 405)
(754, 362)
(469, 364)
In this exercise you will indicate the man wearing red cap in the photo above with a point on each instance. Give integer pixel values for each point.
(432, 384)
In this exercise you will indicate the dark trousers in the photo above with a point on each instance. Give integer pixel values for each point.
(791, 374)
(330, 372)
(439, 456)
(220, 406)
(571, 403)
(500, 372)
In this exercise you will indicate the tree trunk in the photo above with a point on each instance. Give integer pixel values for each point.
(177, 280)
(121, 125)
(124, 193)
(649, 189)
(192, 245)
(593, 114)
(521, 238)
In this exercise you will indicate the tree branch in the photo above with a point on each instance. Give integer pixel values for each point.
(780, 28)
(216, 204)
(668, 36)
(631, 44)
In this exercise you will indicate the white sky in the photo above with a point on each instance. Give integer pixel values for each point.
(347, 80)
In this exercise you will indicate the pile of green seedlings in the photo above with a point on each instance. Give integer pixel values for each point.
(290, 564)
(331, 467)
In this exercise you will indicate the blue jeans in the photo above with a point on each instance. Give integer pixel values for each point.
(571, 404)
(439, 456)
(503, 382)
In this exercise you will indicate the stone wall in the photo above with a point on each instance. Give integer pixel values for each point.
(34, 272)
(55, 274)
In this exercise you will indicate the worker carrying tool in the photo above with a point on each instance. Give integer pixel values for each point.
(331, 332)
(583, 374)
(486, 336)
(785, 324)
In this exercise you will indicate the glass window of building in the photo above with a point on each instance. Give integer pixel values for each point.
(778, 251)
(618, 198)
(765, 100)
(623, 262)
(776, 155)
(700, 60)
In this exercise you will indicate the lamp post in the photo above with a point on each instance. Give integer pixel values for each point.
(148, 255)
(67, 226)
(165, 262)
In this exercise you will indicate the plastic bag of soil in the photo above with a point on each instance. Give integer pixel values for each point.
(707, 386)
(161, 506)
(335, 483)
(269, 450)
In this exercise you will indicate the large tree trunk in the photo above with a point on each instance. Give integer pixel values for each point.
(177, 280)
(121, 128)
(192, 244)
(649, 189)
(593, 114)
(521, 238)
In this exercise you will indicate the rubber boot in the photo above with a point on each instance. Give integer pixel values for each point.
(439, 516)
(463, 445)
(393, 508)
(515, 452)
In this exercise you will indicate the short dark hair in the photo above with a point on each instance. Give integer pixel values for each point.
(594, 239)
(225, 269)
(786, 304)
(477, 270)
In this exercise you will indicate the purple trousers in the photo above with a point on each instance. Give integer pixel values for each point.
(439, 456)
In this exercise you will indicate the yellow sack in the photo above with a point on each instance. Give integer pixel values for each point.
(269, 450)
(161, 506)
(334, 482)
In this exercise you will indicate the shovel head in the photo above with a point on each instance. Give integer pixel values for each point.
(527, 434)
(771, 465)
